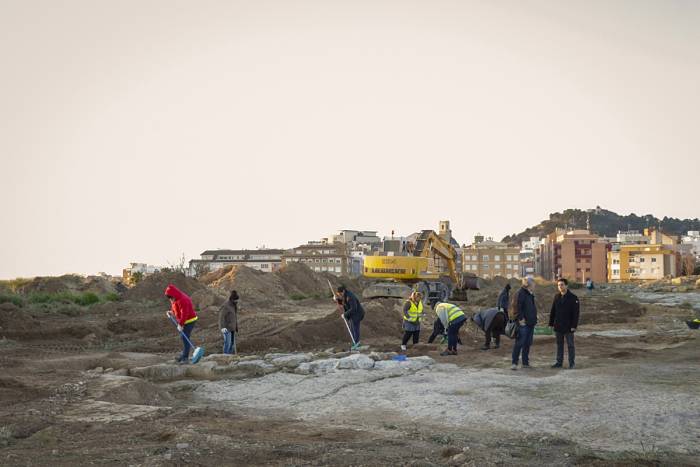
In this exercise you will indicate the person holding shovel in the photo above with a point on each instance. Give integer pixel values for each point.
(182, 310)
(228, 322)
(352, 312)
(412, 314)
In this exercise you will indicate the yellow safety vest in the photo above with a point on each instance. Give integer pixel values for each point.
(414, 313)
(453, 312)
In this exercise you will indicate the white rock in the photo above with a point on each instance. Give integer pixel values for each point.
(387, 365)
(182, 445)
(318, 366)
(417, 363)
(356, 362)
(291, 361)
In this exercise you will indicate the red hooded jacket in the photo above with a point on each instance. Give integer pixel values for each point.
(182, 306)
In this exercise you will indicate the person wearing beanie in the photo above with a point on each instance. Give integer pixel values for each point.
(228, 322)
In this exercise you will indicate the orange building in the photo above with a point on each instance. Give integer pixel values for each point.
(576, 255)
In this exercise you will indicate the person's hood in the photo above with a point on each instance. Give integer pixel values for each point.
(174, 292)
(507, 287)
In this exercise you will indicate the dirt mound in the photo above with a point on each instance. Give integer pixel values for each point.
(153, 287)
(382, 320)
(213, 276)
(67, 283)
(297, 278)
(252, 286)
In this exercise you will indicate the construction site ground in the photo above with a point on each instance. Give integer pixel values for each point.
(98, 384)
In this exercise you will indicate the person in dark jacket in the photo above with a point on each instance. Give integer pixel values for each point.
(493, 322)
(563, 317)
(504, 299)
(228, 322)
(526, 315)
(352, 312)
(182, 311)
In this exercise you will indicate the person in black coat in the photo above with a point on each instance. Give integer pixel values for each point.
(504, 299)
(352, 312)
(563, 317)
(525, 314)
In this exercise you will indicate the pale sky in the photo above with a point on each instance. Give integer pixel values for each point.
(142, 130)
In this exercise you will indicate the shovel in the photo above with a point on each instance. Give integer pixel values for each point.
(342, 317)
(198, 351)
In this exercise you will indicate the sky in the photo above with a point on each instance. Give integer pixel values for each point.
(139, 131)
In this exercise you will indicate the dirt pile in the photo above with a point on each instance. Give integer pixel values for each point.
(382, 320)
(297, 278)
(67, 283)
(253, 286)
(153, 287)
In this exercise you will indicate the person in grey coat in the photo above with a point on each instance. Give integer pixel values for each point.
(493, 322)
(228, 322)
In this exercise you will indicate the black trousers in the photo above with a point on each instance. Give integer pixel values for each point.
(407, 335)
(497, 327)
(439, 330)
(569, 336)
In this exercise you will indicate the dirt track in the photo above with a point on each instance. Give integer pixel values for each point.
(67, 398)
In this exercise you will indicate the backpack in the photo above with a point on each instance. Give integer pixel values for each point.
(511, 329)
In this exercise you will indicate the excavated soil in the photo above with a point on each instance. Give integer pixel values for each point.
(66, 397)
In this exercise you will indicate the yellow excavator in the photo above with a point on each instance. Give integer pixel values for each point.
(429, 267)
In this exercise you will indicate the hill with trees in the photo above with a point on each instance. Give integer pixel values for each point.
(604, 223)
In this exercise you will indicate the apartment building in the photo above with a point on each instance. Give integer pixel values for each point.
(487, 259)
(334, 258)
(693, 239)
(641, 262)
(576, 255)
(265, 260)
(141, 269)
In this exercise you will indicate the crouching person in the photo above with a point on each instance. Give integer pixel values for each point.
(493, 322)
(452, 318)
(228, 322)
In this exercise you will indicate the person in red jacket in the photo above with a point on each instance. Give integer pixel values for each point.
(183, 312)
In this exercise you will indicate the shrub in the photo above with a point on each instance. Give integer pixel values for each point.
(12, 298)
(297, 296)
(111, 297)
(86, 299)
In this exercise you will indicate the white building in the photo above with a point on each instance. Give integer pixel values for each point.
(693, 239)
(632, 237)
(266, 260)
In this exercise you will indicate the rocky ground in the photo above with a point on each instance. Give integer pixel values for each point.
(98, 386)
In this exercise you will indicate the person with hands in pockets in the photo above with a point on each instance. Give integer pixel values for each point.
(228, 322)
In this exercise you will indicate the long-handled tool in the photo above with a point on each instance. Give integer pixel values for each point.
(198, 351)
(341, 316)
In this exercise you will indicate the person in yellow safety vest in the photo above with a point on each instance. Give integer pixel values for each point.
(412, 314)
(452, 318)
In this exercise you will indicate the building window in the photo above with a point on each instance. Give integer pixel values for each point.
(496, 258)
(653, 260)
(641, 260)
(497, 266)
(265, 266)
(484, 266)
(485, 258)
